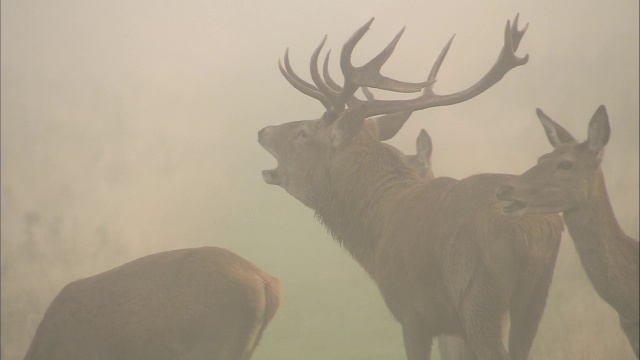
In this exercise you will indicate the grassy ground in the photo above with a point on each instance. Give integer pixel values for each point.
(343, 317)
(330, 308)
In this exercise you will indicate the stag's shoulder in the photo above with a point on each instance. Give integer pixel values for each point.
(443, 181)
(480, 187)
(488, 179)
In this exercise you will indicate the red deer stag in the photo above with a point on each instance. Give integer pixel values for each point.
(444, 257)
(202, 303)
(569, 180)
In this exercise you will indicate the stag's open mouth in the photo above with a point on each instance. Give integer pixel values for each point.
(514, 207)
(271, 177)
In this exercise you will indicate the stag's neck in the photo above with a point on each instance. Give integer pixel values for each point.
(608, 255)
(360, 196)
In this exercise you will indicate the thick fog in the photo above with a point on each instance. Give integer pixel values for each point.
(130, 128)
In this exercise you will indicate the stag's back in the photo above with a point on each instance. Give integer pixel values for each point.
(507, 248)
(446, 235)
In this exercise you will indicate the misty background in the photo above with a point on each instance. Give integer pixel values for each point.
(130, 127)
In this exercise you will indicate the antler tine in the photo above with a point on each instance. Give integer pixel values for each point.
(369, 74)
(325, 89)
(350, 44)
(367, 93)
(516, 35)
(289, 69)
(388, 124)
(298, 83)
(506, 61)
(327, 77)
(353, 100)
(436, 65)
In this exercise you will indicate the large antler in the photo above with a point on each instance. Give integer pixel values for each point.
(334, 97)
(506, 61)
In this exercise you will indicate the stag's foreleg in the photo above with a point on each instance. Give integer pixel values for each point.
(482, 311)
(454, 348)
(418, 339)
(526, 312)
(530, 297)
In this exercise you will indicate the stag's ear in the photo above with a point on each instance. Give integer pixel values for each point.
(555, 133)
(346, 127)
(599, 130)
(423, 147)
(389, 125)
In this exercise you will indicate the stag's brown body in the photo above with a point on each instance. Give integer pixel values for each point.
(450, 347)
(203, 303)
(443, 255)
(570, 180)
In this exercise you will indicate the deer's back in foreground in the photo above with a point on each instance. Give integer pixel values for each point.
(202, 303)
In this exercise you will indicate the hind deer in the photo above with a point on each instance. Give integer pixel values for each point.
(570, 180)
(444, 257)
(202, 303)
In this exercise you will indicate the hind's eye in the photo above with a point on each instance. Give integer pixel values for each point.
(565, 165)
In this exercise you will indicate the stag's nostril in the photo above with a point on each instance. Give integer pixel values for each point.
(503, 191)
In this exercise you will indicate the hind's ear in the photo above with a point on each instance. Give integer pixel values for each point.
(555, 133)
(423, 147)
(599, 130)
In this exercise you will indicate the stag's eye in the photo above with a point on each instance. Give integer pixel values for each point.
(565, 165)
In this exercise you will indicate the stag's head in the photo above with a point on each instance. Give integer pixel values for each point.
(564, 178)
(308, 150)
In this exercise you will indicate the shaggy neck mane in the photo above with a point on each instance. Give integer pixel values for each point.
(364, 184)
